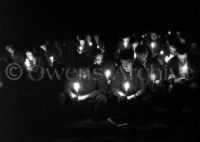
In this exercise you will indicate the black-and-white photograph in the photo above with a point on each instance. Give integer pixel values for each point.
(99, 71)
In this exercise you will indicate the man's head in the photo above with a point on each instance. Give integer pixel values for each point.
(126, 59)
(142, 53)
(182, 53)
(172, 49)
(173, 43)
(29, 55)
(10, 49)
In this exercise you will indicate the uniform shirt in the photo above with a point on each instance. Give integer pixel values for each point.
(93, 84)
(136, 81)
(174, 68)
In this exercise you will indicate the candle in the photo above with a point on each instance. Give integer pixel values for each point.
(161, 52)
(108, 74)
(76, 87)
(153, 45)
(126, 87)
(51, 58)
(153, 77)
(80, 49)
(90, 43)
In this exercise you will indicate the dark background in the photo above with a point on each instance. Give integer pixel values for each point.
(30, 22)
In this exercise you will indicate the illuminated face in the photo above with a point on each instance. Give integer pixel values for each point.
(98, 59)
(29, 55)
(153, 36)
(127, 65)
(182, 58)
(85, 73)
(126, 41)
(82, 42)
(172, 49)
(10, 49)
(96, 37)
(88, 38)
(142, 57)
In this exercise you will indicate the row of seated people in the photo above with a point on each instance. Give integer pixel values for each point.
(133, 91)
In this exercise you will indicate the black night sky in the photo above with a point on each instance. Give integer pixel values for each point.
(29, 22)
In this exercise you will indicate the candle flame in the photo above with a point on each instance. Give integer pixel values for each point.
(153, 77)
(76, 86)
(51, 58)
(126, 86)
(153, 45)
(107, 73)
(161, 52)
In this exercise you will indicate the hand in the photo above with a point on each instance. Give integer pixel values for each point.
(157, 82)
(133, 96)
(180, 80)
(73, 96)
(171, 76)
(120, 99)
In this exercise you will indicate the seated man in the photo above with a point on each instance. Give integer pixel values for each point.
(88, 94)
(156, 84)
(128, 86)
(183, 77)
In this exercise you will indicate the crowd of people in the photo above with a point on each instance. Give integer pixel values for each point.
(145, 76)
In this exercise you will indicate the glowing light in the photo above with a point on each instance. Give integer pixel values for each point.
(126, 86)
(28, 64)
(161, 52)
(81, 98)
(107, 74)
(51, 58)
(169, 32)
(126, 42)
(82, 42)
(98, 46)
(98, 59)
(153, 45)
(135, 44)
(80, 49)
(135, 55)
(143, 36)
(90, 43)
(10, 50)
(29, 55)
(76, 86)
(73, 96)
(43, 47)
(153, 77)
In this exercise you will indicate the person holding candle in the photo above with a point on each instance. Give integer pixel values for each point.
(183, 77)
(128, 88)
(156, 84)
(87, 90)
